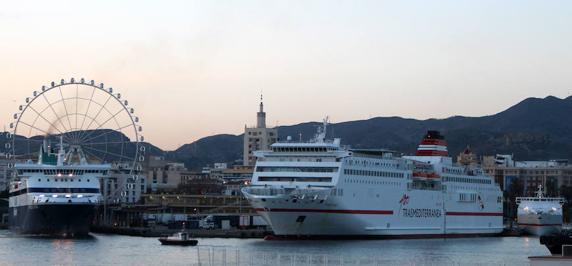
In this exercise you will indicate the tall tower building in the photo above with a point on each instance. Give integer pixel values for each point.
(261, 116)
(257, 138)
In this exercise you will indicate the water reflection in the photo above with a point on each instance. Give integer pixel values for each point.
(124, 250)
(63, 252)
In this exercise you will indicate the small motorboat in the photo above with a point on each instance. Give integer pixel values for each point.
(178, 239)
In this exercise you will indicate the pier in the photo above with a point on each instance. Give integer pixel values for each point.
(162, 231)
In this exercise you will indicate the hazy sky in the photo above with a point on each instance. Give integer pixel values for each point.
(196, 68)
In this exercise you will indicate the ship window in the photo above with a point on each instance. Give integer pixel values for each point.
(39, 180)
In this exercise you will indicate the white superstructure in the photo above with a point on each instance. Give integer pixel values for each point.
(540, 215)
(321, 189)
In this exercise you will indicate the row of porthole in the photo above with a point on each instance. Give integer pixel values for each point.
(61, 180)
(477, 188)
(358, 181)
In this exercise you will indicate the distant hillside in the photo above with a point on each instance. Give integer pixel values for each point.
(106, 144)
(208, 150)
(534, 129)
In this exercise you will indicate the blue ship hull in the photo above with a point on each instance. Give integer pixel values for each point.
(55, 220)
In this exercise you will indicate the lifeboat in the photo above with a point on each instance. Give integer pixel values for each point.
(426, 175)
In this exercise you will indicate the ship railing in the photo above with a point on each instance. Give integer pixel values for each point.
(302, 193)
(267, 191)
(537, 199)
(64, 199)
(299, 193)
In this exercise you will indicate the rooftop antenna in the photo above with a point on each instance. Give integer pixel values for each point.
(321, 134)
(540, 192)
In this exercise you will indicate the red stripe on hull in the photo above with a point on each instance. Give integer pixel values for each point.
(357, 237)
(327, 211)
(475, 213)
(386, 212)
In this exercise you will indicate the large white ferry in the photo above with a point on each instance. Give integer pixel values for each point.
(540, 215)
(57, 195)
(321, 189)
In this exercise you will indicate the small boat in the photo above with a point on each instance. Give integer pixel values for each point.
(178, 239)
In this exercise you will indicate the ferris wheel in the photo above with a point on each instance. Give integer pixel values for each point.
(84, 117)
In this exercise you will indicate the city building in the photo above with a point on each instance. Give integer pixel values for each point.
(467, 158)
(218, 179)
(236, 173)
(163, 175)
(5, 172)
(233, 187)
(122, 186)
(191, 177)
(257, 138)
(528, 175)
(234, 178)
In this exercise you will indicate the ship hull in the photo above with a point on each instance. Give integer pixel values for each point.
(540, 225)
(320, 225)
(333, 218)
(55, 220)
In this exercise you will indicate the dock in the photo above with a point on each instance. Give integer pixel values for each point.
(549, 260)
(157, 232)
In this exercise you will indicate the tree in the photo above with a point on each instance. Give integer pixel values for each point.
(515, 189)
(566, 193)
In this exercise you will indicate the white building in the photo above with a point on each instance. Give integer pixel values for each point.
(121, 186)
(165, 176)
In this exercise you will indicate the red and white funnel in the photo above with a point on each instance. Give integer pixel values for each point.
(433, 144)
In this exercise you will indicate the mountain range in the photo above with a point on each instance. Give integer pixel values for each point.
(533, 129)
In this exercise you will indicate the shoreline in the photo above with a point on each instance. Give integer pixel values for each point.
(158, 232)
(259, 233)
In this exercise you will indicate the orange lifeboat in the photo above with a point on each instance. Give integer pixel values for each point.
(426, 175)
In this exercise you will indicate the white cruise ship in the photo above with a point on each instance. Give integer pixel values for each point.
(57, 195)
(321, 189)
(540, 215)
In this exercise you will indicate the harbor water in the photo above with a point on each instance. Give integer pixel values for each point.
(102, 249)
